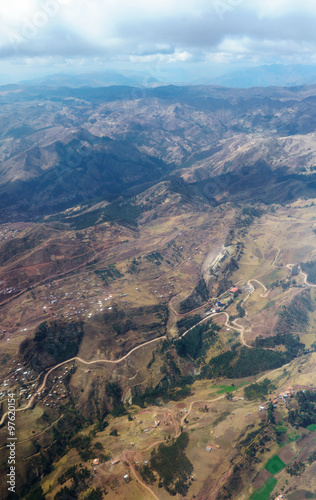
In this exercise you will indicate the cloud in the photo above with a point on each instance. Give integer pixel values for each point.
(165, 32)
(159, 58)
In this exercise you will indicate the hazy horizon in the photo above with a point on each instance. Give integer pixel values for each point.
(166, 41)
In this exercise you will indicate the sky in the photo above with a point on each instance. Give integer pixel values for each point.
(167, 40)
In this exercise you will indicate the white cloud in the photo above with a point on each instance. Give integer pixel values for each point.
(164, 32)
(277, 8)
(176, 57)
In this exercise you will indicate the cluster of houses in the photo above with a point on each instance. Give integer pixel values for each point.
(78, 303)
(163, 293)
(7, 234)
(21, 376)
(283, 396)
(221, 305)
(7, 291)
(56, 394)
(50, 397)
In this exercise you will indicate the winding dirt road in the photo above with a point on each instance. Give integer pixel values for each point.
(234, 325)
(76, 358)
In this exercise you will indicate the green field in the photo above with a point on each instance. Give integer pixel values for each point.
(266, 490)
(228, 388)
(311, 427)
(274, 465)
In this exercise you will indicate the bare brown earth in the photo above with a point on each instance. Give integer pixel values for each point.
(261, 478)
(287, 453)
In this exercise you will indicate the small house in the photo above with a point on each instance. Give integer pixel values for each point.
(96, 461)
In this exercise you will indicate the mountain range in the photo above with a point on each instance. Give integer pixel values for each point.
(63, 146)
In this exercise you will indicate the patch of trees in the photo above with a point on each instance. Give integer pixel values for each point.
(135, 263)
(36, 493)
(249, 438)
(114, 391)
(185, 323)
(305, 414)
(68, 474)
(296, 468)
(241, 311)
(310, 269)
(109, 274)
(223, 285)
(291, 342)
(242, 362)
(52, 343)
(114, 394)
(155, 257)
(253, 211)
(259, 390)
(230, 267)
(247, 215)
(147, 474)
(94, 494)
(172, 465)
(283, 283)
(83, 447)
(295, 316)
(233, 485)
(79, 479)
(82, 221)
(271, 418)
(312, 458)
(126, 213)
(193, 344)
(165, 391)
(123, 328)
(229, 238)
(196, 298)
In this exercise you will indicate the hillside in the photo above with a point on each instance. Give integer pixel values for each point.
(157, 298)
(62, 146)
